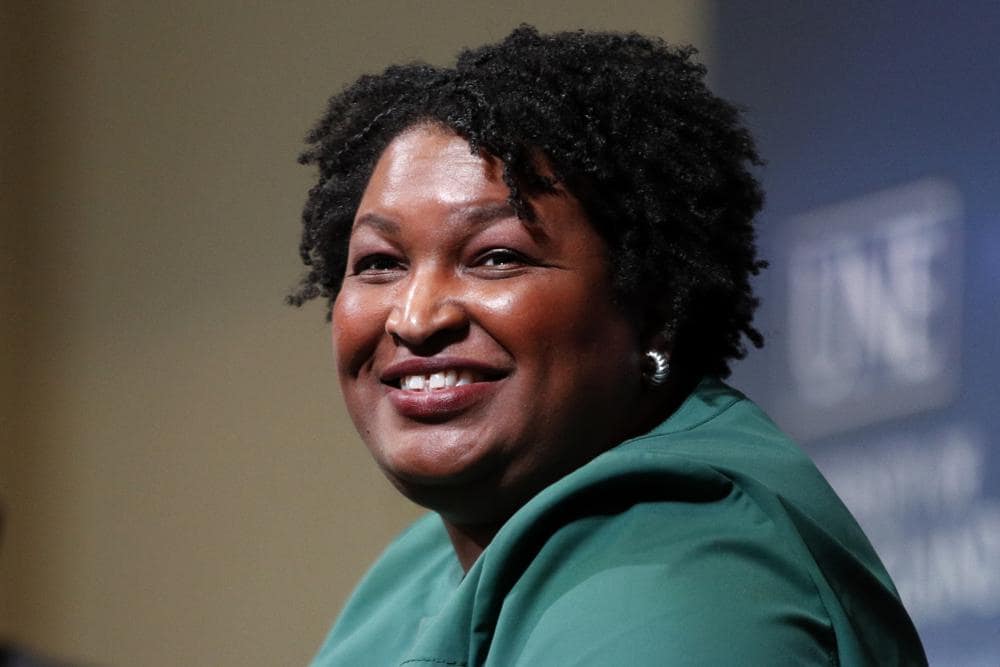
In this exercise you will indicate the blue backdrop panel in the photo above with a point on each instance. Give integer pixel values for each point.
(880, 123)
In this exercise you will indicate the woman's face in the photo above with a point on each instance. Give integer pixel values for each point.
(481, 357)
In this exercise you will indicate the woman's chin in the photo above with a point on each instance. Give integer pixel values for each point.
(456, 488)
(434, 465)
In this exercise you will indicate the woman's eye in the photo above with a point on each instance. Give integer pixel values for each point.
(501, 258)
(377, 263)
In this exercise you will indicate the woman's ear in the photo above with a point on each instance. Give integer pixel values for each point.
(654, 313)
(656, 328)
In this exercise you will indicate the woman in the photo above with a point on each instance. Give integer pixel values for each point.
(538, 265)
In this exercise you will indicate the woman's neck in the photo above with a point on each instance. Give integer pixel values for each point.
(470, 540)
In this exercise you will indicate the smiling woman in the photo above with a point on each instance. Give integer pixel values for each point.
(445, 283)
(538, 267)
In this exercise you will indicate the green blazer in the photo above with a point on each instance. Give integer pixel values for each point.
(711, 540)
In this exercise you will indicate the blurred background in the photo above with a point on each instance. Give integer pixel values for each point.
(179, 481)
(881, 126)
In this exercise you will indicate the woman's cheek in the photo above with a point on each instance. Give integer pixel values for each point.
(358, 323)
(538, 290)
(501, 301)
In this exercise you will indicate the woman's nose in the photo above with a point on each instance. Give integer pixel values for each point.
(430, 305)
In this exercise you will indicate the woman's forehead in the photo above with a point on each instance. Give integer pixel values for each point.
(429, 182)
(428, 161)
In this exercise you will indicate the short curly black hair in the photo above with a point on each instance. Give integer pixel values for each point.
(623, 121)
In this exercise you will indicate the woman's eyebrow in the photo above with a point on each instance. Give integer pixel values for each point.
(473, 214)
(481, 214)
(382, 224)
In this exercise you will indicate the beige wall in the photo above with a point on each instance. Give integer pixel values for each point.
(181, 483)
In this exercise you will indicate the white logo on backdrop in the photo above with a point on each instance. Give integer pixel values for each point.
(922, 498)
(873, 308)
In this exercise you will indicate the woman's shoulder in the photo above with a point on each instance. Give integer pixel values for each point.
(711, 540)
(720, 434)
(410, 581)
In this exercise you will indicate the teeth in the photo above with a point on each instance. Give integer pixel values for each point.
(413, 382)
(439, 380)
(436, 381)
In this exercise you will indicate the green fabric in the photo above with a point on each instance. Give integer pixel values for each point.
(712, 540)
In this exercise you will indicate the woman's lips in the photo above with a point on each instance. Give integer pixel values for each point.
(438, 388)
(440, 404)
